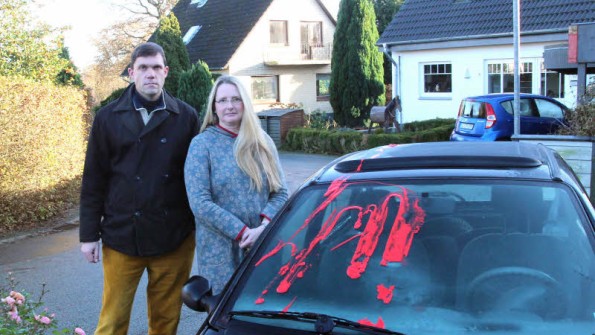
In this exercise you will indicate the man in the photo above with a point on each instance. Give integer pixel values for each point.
(133, 197)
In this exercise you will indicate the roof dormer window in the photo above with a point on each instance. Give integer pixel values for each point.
(190, 34)
(198, 3)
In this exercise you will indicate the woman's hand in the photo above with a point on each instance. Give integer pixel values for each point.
(250, 236)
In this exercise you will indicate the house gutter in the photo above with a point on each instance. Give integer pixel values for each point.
(396, 78)
(477, 37)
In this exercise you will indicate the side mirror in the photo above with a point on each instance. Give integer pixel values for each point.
(198, 295)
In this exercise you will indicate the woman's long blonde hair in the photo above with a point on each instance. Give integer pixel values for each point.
(251, 149)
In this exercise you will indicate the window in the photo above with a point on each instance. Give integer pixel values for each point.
(549, 109)
(190, 34)
(552, 83)
(501, 77)
(322, 86)
(198, 3)
(438, 78)
(311, 37)
(278, 32)
(265, 89)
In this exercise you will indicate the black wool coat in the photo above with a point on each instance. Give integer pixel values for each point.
(133, 195)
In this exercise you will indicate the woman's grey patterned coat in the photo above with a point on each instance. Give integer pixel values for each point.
(223, 202)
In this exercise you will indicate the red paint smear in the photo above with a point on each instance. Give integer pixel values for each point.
(385, 293)
(286, 309)
(366, 322)
(396, 249)
(359, 167)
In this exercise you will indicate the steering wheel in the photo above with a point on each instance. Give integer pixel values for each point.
(517, 289)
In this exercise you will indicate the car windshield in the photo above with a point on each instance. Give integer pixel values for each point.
(429, 257)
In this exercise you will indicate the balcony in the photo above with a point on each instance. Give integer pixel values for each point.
(308, 54)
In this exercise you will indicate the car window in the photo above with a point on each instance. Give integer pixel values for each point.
(381, 252)
(549, 109)
(474, 109)
(526, 105)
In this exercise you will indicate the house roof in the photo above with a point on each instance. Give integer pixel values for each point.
(437, 20)
(223, 25)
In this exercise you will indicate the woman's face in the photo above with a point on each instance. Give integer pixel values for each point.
(229, 106)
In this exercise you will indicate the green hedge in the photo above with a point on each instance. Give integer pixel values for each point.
(339, 142)
(43, 130)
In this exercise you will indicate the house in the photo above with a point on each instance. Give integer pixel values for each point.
(280, 49)
(445, 50)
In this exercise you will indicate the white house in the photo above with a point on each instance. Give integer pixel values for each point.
(280, 49)
(445, 50)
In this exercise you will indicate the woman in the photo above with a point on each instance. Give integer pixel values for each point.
(234, 181)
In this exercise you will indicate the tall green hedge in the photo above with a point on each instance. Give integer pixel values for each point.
(43, 129)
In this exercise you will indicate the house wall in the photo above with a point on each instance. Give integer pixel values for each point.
(297, 80)
(469, 77)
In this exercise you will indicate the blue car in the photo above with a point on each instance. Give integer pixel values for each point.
(490, 117)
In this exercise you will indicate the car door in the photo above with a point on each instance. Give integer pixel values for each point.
(530, 122)
(551, 115)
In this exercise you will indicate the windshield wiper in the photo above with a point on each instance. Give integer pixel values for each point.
(323, 324)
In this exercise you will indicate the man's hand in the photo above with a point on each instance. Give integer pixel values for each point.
(250, 236)
(91, 251)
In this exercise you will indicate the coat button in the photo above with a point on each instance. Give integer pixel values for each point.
(138, 213)
(164, 140)
(137, 178)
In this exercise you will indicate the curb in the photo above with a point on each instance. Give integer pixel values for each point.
(62, 224)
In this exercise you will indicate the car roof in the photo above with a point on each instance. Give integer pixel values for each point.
(505, 96)
(518, 160)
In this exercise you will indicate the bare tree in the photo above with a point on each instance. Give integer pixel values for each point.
(116, 42)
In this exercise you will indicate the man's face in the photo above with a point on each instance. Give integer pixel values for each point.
(148, 74)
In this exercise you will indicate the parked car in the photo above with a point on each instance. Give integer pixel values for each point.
(425, 238)
(490, 117)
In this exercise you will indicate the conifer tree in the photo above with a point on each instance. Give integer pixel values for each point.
(357, 74)
(169, 37)
(195, 86)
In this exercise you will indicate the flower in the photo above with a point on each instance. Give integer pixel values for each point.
(43, 319)
(21, 315)
(14, 315)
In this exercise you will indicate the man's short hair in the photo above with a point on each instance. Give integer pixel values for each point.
(145, 50)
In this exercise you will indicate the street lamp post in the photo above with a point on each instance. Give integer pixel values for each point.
(516, 28)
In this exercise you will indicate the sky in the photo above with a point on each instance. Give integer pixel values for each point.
(86, 17)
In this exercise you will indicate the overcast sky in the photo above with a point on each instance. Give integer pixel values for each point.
(86, 17)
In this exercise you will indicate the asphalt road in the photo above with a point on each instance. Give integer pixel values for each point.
(73, 286)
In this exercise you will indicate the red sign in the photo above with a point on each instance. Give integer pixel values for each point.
(572, 44)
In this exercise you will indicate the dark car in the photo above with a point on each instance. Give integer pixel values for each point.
(490, 117)
(426, 238)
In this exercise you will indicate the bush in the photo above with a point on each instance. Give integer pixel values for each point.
(581, 121)
(343, 141)
(195, 85)
(43, 129)
(19, 314)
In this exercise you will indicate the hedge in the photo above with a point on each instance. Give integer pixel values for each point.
(339, 142)
(43, 131)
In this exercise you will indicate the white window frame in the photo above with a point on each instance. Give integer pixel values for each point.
(436, 69)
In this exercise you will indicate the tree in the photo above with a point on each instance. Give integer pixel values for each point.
(69, 74)
(169, 37)
(195, 86)
(116, 42)
(356, 72)
(27, 48)
(385, 11)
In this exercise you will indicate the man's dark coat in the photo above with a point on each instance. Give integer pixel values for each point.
(133, 196)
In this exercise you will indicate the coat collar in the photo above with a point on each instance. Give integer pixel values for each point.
(124, 106)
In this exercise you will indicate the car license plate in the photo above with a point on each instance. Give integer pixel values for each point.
(467, 126)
